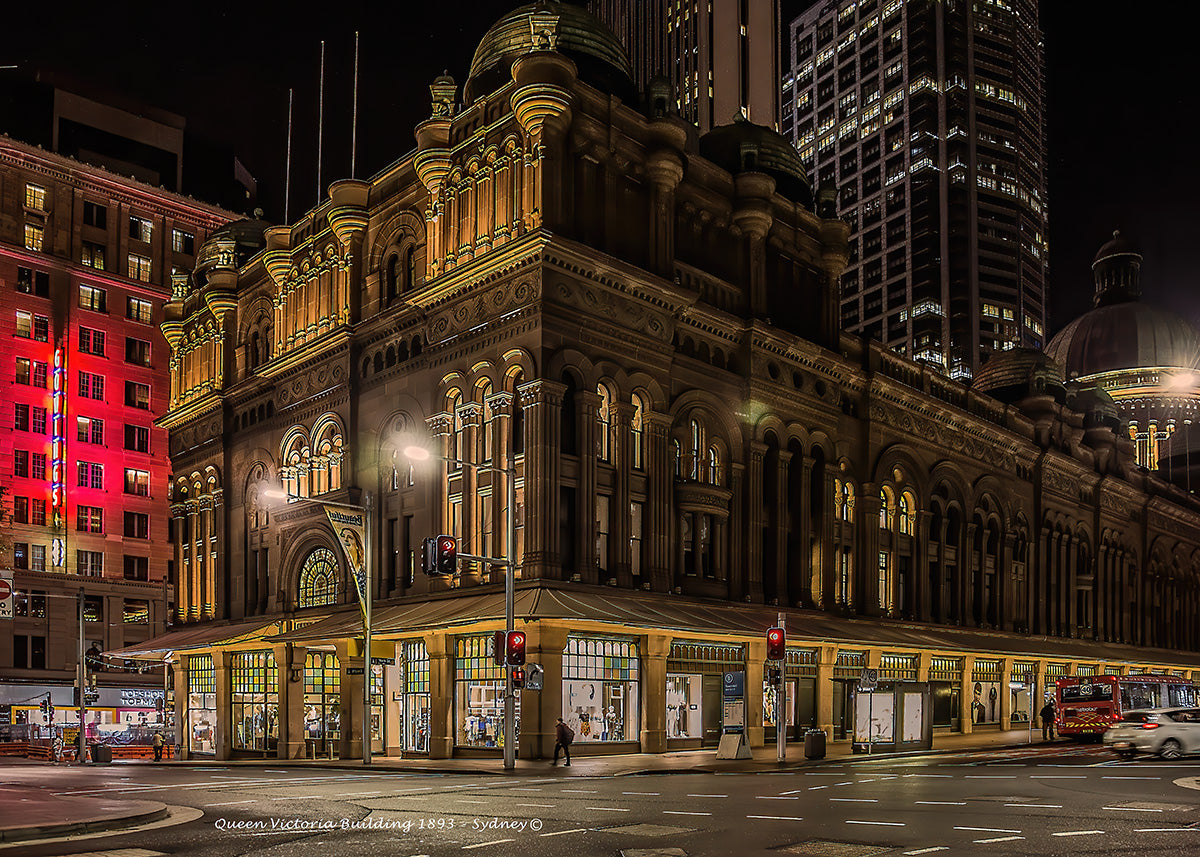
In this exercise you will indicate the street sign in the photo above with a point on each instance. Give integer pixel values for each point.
(387, 662)
(733, 698)
(534, 676)
(6, 595)
(354, 670)
(869, 679)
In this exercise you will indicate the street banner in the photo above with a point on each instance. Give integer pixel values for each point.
(6, 594)
(351, 530)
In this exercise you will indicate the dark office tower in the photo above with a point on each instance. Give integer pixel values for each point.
(928, 115)
(719, 55)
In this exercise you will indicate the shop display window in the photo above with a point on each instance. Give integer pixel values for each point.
(600, 689)
(684, 706)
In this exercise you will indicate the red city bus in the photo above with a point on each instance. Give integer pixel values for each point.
(1085, 706)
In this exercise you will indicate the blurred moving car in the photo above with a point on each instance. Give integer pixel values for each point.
(1165, 732)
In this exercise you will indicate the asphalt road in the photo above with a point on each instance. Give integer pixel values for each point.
(1040, 800)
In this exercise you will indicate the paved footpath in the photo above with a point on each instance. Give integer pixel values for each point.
(35, 813)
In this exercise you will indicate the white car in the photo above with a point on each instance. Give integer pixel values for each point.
(1165, 732)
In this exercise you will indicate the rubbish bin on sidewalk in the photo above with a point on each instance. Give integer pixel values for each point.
(814, 744)
(101, 754)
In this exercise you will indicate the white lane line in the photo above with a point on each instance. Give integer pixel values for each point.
(816, 788)
(778, 817)
(1036, 805)
(519, 789)
(1131, 778)
(1130, 809)
(880, 823)
(1055, 777)
(989, 777)
(927, 777)
(942, 802)
(641, 793)
(847, 783)
(484, 844)
(1077, 833)
(464, 800)
(361, 794)
(538, 805)
(230, 803)
(608, 808)
(549, 780)
(561, 832)
(998, 839)
(811, 774)
(581, 791)
(988, 829)
(929, 850)
(681, 812)
(301, 797)
(708, 795)
(854, 799)
(776, 797)
(1168, 830)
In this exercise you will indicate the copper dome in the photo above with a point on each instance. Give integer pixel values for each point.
(1128, 335)
(743, 146)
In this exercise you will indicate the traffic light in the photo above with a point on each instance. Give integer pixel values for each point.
(447, 555)
(774, 676)
(499, 648)
(776, 644)
(45, 707)
(429, 556)
(518, 678)
(515, 648)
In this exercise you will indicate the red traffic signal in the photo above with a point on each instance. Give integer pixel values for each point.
(518, 678)
(515, 648)
(499, 648)
(447, 555)
(776, 644)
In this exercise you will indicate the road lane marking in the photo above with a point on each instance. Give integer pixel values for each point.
(538, 805)
(998, 839)
(581, 791)
(523, 789)
(854, 799)
(608, 808)
(1077, 833)
(880, 823)
(988, 829)
(989, 777)
(464, 800)
(1168, 830)
(301, 797)
(847, 783)
(485, 844)
(230, 803)
(691, 795)
(1055, 777)
(681, 812)
(778, 817)
(1036, 805)
(929, 776)
(1131, 778)
(929, 850)
(362, 794)
(561, 832)
(1131, 809)
(641, 793)
(776, 797)
(816, 788)
(942, 802)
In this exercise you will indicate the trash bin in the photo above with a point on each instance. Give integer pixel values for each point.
(814, 744)
(102, 754)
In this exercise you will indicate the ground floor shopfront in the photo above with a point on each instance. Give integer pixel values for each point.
(291, 692)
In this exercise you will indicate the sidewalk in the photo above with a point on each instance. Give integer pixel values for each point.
(27, 814)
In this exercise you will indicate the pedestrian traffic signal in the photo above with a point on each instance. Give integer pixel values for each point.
(518, 678)
(429, 556)
(774, 676)
(447, 555)
(515, 648)
(776, 644)
(499, 648)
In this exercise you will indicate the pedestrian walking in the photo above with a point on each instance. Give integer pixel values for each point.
(56, 746)
(157, 742)
(563, 736)
(1047, 715)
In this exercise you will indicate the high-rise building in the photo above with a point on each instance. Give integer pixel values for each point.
(720, 56)
(929, 118)
(86, 264)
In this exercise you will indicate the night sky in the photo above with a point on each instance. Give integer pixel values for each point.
(1122, 100)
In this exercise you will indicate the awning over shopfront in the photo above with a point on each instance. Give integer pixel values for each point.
(637, 611)
(198, 637)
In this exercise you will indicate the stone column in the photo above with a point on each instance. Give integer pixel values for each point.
(500, 405)
(922, 593)
(179, 668)
(866, 588)
(588, 414)
(540, 710)
(828, 567)
(542, 401)
(756, 654)
(1006, 583)
(660, 489)
(471, 535)
(970, 565)
(755, 453)
(780, 565)
(440, 647)
(350, 701)
(654, 648)
(826, 659)
(182, 589)
(619, 560)
(223, 728)
(1006, 665)
(290, 659)
(800, 580)
(965, 696)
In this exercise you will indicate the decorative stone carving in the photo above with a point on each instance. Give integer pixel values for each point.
(615, 308)
(494, 301)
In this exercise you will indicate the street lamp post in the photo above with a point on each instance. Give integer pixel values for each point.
(368, 574)
(419, 453)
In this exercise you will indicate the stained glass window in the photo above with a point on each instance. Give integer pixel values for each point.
(318, 579)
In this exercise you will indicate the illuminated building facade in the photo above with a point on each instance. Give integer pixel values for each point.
(929, 119)
(642, 333)
(85, 266)
(719, 56)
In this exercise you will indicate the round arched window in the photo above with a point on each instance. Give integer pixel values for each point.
(318, 579)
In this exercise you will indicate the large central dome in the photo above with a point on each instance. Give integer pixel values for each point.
(595, 49)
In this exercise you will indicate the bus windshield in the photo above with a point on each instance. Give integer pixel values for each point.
(1087, 693)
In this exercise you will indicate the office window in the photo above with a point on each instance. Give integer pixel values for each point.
(93, 298)
(138, 310)
(31, 372)
(20, 512)
(139, 268)
(91, 475)
(95, 214)
(37, 420)
(21, 463)
(140, 229)
(89, 519)
(37, 465)
(20, 560)
(35, 197)
(137, 525)
(137, 395)
(37, 511)
(136, 612)
(137, 482)
(34, 236)
(37, 559)
(24, 371)
(137, 568)
(137, 438)
(31, 282)
(21, 417)
(93, 606)
(92, 255)
(91, 341)
(91, 386)
(32, 326)
(89, 430)
(137, 351)
(183, 242)
(90, 564)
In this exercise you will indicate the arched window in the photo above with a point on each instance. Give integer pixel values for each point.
(516, 445)
(676, 458)
(906, 514)
(886, 509)
(604, 427)
(482, 393)
(697, 445)
(255, 350)
(453, 400)
(391, 275)
(843, 497)
(410, 267)
(714, 466)
(636, 426)
(318, 579)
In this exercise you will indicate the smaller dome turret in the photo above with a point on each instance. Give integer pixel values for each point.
(1116, 269)
(742, 147)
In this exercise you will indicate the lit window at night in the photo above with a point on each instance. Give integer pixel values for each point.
(34, 235)
(140, 229)
(183, 242)
(91, 341)
(92, 255)
(35, 197)
(318, 579)
(137, 395)
(137, 482)
(139, 268)
(93, 298)
(89, 519)
(139, 310)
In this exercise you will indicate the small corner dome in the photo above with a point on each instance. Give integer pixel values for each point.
(1017, 373)
(743, 146)
(1118, 245)
(248, 237)
(595, 50)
